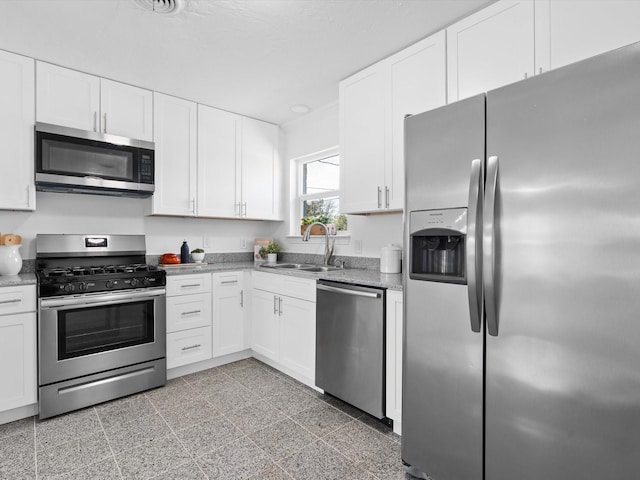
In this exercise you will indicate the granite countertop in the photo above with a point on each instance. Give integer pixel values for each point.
(358, 276)
(17, 280)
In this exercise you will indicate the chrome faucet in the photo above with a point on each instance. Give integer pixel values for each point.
(328, 252)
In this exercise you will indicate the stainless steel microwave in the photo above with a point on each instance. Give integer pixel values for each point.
(78, 161)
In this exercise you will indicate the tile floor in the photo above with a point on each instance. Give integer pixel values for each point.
(243, 420)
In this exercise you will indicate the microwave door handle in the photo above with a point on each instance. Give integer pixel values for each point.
(474, 269)
(489, 246)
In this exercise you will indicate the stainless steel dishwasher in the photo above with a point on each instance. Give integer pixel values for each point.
(350, 338)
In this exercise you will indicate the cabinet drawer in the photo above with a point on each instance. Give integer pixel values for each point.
(290, 286)
(188, 284)
(188, 311)
(227, 279)
(188, 346)
(17, 299)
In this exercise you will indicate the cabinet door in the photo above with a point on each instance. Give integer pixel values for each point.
(218, 176)
(572, 30)
(260, 170)
(17, 360)
(491, 48)
(394, 359)
(126, 110)
(228, 313)
(67, 97)
(298, 336)
(265, 330)
(417, 79)
(362, 141)
(175, 156)
(17, 98)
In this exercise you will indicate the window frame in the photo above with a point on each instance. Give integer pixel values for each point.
(300, 198)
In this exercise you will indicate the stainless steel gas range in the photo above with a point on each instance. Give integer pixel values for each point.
(101, 320)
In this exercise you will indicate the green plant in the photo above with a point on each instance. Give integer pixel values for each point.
(197, 250)
(322, 218)
(271, 247)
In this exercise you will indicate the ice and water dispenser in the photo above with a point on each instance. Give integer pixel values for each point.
(437, 242)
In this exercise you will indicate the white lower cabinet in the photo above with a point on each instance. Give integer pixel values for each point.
(188, 319)
(188, 346)
(17, 347)
(394, 359)
(284, 323)
(228, 316)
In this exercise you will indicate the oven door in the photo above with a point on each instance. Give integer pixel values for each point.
(86, 334)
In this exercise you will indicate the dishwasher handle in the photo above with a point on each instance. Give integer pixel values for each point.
(348, 291)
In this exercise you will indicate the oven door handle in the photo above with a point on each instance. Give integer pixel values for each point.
(101, 298)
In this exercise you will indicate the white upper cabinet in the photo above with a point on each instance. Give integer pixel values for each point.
(362, 140)
(67, 97)
(261, 192)
(79, 100)
(238, 166)
(127, 111)
(373, 104)
(17, 97)
(491, 48)
(218, 174)
(175, 123)
(572, 30)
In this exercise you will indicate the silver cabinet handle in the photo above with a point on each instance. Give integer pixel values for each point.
(229, 282)
(192, 312)
(379, 197)
(193, 206)
(474, 270)
(275, 304)
(386, 196)
(191, 285)
(191, 347)
(13, 300)
(348, 291)
(244, 206)
(95, 121)
(280, 306)
(104, 127)
(489, 246)
(242, 298)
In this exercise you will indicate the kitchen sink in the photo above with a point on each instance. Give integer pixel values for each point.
(305, 267)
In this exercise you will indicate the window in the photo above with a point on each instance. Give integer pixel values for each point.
(319, 189)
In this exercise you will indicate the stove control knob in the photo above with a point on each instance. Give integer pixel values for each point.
(145, 282)
(69, 287)
(134, 282)
(82, 286)
(109, 284)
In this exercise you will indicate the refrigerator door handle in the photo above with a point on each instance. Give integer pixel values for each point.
(489, 246)
(474, 270)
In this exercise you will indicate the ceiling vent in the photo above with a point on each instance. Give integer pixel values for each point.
(166, 7)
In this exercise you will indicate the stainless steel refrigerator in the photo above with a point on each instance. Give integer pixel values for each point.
(522, 279)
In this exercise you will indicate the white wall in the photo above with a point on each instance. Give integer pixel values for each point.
(316, 131)
(69, 213)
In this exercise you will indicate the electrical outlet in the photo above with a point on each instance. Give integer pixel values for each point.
(208, 242)
(243, 243)
(357, 246)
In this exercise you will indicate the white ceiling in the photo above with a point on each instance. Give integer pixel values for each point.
(253, 57)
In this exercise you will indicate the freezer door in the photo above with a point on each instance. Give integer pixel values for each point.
(563, 371)
(439, 147)
(442, 357)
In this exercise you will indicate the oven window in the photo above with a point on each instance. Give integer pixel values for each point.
(83, 331)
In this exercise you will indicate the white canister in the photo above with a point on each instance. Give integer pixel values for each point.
(10, 260)
(390, 259)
